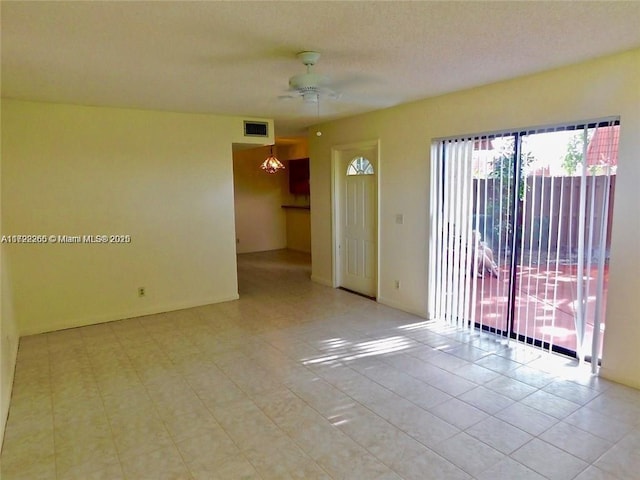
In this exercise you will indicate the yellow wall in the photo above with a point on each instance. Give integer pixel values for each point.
(599, 88)
(8, 340)
(299, 230)
(260, 220)
(8, 336)
(166, 179)
(299, 148)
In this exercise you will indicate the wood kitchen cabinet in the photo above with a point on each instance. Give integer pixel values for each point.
(299, 176)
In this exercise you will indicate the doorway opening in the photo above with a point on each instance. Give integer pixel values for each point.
(272, 210)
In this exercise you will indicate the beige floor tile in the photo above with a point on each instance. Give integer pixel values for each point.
(82, 432)
(571, 391)
(486, 400)
(383, 440)
(111, 472)
(499, 434)
(87, 458)
(526, 418)
(459, 413)
(141, 435)
(83, 415)
(129, 404)
(571, 439)
(623, 459)
(469, 454)
(436, 466)
(163, 464)
(300, 381)
(308, 471)
(420, 393)
(511, 388)
(598, 424)
(316, 436)
(235, 467)
(508, 469)
(550, 404)
(216, 391)
(77, 406)
(549, 461)
(191, 424)
(206, 451)
(593, 473)
(34, 469)
(322, 396)
(279, 458)
(423, 426)
(155, 373)
(24, 424)
(283, 407)
(177, 404)
(348, 460)
(20, 448)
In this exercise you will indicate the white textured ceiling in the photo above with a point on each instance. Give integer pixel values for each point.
(236, 57)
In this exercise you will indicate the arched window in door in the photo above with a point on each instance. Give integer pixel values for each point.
(360, 166)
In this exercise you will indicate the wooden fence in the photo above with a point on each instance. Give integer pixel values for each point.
(549, 212)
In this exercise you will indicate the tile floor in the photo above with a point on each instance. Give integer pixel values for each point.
(300, 381)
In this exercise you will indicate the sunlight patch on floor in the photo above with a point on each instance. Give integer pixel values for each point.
(363, 349)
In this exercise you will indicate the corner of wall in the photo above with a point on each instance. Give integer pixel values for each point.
(322, 281)
(9, 339)
(615, 375)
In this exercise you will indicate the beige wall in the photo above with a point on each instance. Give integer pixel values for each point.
(299, 230)
(604, 87)
(8, 334)
(258, 196)
(299, 149)
(166, 179)
(9, 339)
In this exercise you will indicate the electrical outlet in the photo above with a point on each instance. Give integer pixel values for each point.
(399, 218)
(396, 284)
(141, 291)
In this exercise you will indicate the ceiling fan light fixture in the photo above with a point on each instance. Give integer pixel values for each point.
(307, 80)
(272, 164)
(310, 97)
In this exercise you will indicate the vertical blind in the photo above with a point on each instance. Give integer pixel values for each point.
(519, 242)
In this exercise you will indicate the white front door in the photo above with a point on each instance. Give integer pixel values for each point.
(358, 220)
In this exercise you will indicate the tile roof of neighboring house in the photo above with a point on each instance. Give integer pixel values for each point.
(603, 147)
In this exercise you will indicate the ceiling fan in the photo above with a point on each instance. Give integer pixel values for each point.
(310, 86)
(313, 88)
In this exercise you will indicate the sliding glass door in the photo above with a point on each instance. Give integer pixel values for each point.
(520, 239)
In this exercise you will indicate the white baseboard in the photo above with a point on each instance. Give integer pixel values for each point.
(322, 281)
(631, 381)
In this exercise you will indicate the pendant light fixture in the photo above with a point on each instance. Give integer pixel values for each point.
(272, 164)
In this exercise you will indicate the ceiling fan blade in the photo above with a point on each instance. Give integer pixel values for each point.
(366, 100)
(355, 81)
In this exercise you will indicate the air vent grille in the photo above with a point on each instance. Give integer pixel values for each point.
(256, 129)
